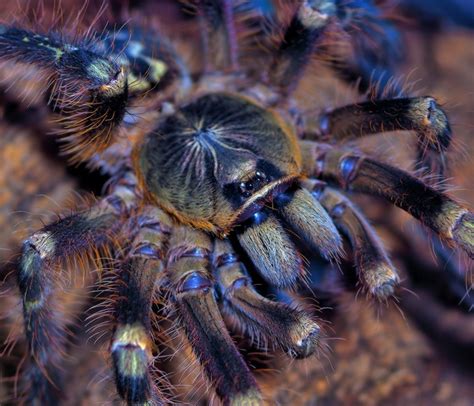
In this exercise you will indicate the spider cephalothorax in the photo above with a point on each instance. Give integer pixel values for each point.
(218, 161)
(217, 173)
(215, 161)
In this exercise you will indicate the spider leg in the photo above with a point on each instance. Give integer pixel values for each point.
(152, 61)
(419, 114)
(218, 33)
(433, 208)
(375, 269)
(131, 345)
(88, 90)
(320, 27)
(308, 25)
(189, 272)
(376, 46)
(292, 330)
(42, 254)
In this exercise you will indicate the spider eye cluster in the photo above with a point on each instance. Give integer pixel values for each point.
(247, 188)
(217, 160)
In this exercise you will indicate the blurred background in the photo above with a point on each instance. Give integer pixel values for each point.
(417, 349)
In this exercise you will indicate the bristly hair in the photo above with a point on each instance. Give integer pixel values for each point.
(88, 90)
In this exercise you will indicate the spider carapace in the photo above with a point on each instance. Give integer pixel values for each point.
(220, 188)
(215, 161)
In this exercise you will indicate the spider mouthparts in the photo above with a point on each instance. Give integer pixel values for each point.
(271, 250)
(304, 214)
(264, 196)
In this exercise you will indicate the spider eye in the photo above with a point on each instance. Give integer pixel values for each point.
(261, 177)
(246, 189)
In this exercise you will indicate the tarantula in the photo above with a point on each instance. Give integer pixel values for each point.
(232, 175)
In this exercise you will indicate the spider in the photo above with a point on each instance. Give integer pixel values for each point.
(231, 182)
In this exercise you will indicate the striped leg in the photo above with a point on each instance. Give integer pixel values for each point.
(42, 256)
(419, 114)
(218, 33)
(375, 269)
(308, 25)
(189, 272)
(132, 342)
(87, 89)
(431, 207)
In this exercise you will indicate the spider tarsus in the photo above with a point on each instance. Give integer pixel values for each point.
(463, 233)
(386, 289)
(307, 345)
(431, 122)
